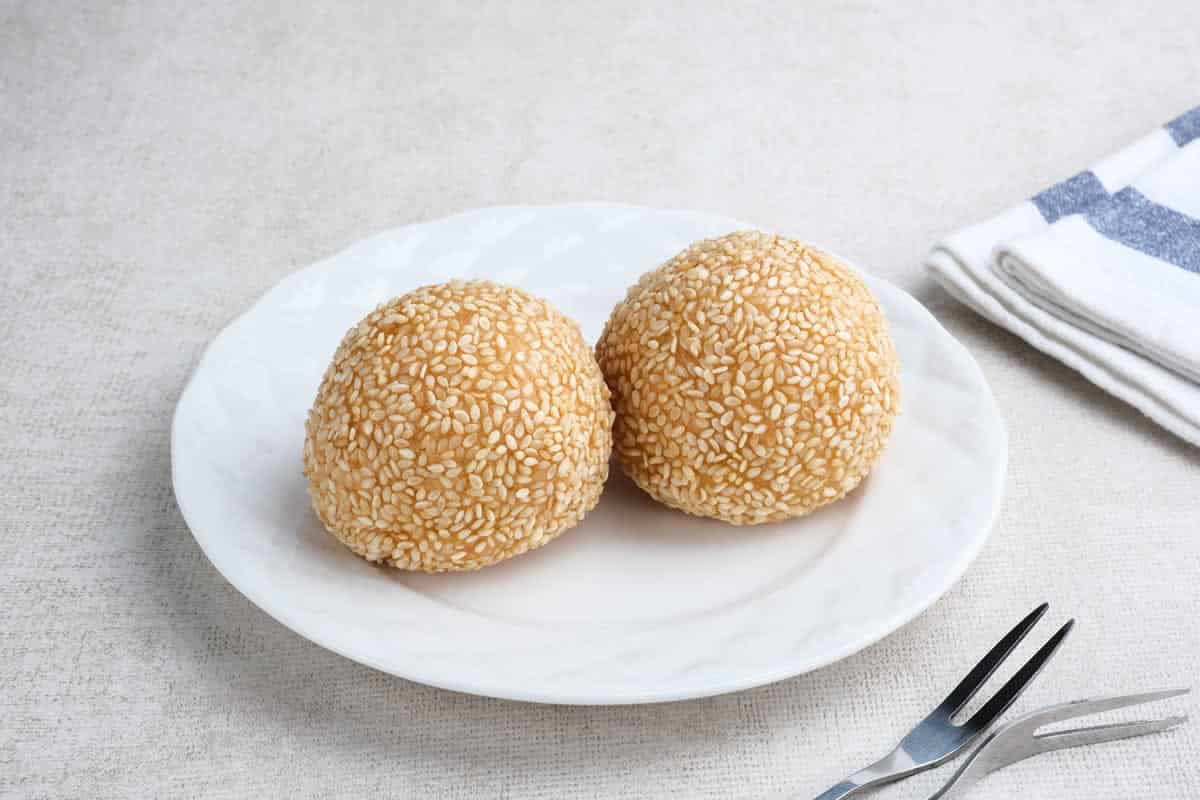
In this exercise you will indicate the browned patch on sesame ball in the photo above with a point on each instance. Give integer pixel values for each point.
(458, 425)
(753, 378)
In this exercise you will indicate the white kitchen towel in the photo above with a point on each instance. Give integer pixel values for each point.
(1102, 272)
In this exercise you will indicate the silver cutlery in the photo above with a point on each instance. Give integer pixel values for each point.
(936, 739)
(1019, 739)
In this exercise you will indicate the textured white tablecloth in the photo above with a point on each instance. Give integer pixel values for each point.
(162, 164)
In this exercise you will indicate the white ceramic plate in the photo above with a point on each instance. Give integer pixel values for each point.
(639, 603)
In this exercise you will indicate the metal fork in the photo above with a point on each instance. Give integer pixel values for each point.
(936, 739)
(1019, 739)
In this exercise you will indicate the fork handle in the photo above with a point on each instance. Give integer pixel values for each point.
(842, 789)
(895, 765)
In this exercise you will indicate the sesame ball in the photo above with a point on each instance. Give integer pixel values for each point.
(753, 379)
(458, 425)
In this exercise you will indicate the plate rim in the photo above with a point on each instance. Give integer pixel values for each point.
(752, 678)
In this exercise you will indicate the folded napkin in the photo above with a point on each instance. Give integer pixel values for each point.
(1102, 272)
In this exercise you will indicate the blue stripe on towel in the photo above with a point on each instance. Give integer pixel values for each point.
(1132, 219)
(1185, 127)
(1070, 196)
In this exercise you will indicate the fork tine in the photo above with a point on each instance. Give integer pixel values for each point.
(1082, 708)
(1014, 742)
(977, 677)
(1104, 733)
(1011, 690)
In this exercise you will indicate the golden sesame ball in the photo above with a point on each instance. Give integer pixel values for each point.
(458, 425)
(753, 378)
